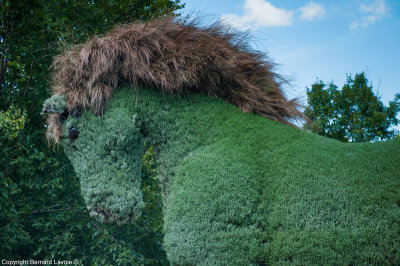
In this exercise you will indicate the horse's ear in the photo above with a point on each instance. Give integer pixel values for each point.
(56, 104)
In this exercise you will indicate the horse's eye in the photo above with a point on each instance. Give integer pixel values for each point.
(73, 133)
(63, 117)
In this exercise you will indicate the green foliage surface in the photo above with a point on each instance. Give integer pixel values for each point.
(243, 190)
(107, 159)
(353, 113)
(55, 104)
(12, 122)
(43, 215)
(42, 212)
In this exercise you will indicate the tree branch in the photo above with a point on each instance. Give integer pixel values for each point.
(4, 59)
(101, 230)
(29, 79)
(56, 210)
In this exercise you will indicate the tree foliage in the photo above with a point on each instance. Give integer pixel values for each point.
(42, 213)
(353, 113)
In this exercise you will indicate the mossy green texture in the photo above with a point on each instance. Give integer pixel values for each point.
(55, 104)
(107, 158)
(241, 189)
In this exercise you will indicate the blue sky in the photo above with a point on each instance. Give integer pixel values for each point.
(324, 39)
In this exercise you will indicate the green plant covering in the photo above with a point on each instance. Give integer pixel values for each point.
(241, 189)
(107, 159)
(55, 104)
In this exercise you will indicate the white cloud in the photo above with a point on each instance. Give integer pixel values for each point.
(371, 14)
(311, 11)
(260, 13)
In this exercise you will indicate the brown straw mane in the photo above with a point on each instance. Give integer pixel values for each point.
(174, 57)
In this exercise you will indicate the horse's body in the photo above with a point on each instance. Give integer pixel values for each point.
(240, 189)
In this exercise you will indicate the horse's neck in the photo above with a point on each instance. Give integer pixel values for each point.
(177, 126)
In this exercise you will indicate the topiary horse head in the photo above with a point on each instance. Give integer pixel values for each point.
(239, 189)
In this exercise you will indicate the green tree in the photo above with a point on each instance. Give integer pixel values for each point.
(353, 113)
(42, 214)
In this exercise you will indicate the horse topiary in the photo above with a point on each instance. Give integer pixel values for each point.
(239, 189)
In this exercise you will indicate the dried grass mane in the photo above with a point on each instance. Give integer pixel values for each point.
(175, 57)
